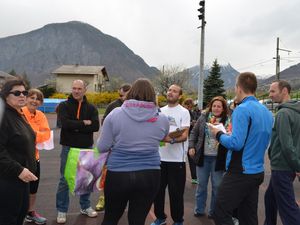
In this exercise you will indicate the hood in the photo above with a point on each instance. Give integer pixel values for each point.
(292, 104)
(140, 111)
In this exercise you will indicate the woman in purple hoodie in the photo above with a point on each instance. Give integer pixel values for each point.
(132, 132)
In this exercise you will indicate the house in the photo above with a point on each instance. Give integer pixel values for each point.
(94, 76)
(3, 77)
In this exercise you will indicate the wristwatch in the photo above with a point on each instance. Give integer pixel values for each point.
(173, 140)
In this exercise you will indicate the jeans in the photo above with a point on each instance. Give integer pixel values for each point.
(280, 196)
(62, 194)
(203, 174)
(136, 188)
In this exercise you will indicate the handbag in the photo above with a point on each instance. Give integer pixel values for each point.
(83, 169)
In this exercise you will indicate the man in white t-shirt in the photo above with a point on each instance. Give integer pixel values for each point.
(173, 156)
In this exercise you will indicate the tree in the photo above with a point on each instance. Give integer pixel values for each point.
(171, 75)
(213, 84)
(12, 72)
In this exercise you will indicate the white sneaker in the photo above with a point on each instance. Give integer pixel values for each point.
(61, 217)
(89, 212)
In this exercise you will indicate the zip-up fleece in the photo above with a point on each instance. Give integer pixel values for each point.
(73, 132)
(17, 145)
(251, 133)
(284, 151)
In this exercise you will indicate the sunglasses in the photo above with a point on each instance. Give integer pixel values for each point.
(18, 93)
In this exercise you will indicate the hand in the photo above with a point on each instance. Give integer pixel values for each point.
(26, 176)
(212, 129)
(298, 174)
(87, 122)
(192, 152)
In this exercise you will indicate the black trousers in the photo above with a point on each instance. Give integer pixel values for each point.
(14, 201)
(137, 188)
(238, 191)
(173, 175)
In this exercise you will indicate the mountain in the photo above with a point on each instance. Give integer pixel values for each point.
(39, 52)
(228, 74)
(291, 74)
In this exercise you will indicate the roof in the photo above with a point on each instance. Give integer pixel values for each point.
(5, 75)
(77, 69)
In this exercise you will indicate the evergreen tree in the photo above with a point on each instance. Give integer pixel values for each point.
(13, 72)
(213, 84)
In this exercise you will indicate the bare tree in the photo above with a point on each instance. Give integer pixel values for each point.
(171, 75)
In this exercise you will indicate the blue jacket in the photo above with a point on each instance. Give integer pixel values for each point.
(251, 132)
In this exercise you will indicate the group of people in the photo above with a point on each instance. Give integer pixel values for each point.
(146, 157)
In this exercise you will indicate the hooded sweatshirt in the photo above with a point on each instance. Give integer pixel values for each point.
(284, 151)
(132, 132)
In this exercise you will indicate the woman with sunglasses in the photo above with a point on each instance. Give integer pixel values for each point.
(208, 154)
(39, 124)
(17, 159)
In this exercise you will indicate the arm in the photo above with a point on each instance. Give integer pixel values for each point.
(236, 140)
(289, 151)
(43, 133)
(66, 121)
(93, 123)
(105, 140)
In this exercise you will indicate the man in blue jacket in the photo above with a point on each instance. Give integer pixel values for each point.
(251, 133)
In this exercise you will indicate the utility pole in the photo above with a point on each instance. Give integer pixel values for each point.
(201, 72)
(278, 58)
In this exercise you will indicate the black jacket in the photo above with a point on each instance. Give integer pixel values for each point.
(73, 132)
(17, 145)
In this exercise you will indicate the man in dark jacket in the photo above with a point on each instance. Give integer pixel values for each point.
(123, 90)
(284, 154)
(79, 120)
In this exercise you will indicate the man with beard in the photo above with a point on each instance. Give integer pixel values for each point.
(173, 156)
(284, 154)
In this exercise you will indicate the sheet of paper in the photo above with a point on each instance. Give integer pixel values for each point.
(219, 126)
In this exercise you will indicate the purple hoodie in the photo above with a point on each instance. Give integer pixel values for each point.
(133, 132)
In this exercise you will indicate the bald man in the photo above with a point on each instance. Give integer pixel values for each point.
(79, 120)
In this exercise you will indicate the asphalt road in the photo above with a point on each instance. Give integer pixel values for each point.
(45, 205)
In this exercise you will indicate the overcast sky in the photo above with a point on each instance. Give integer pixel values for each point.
(164, 32)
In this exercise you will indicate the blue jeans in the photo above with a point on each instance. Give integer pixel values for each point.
(280, 197)
(62, 194)
(203, 173)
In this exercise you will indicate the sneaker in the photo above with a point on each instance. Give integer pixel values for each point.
(159, 222)
(178, 223)
(199, 214)
(235, 221)
(194, 181)
(100, 204)
(89, 212)
(34, 217)
(61, 217)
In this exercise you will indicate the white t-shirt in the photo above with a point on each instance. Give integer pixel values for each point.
(179, 117)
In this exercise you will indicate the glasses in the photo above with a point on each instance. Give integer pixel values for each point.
(18, 93)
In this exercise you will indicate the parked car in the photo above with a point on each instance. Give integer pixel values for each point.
(269, 104)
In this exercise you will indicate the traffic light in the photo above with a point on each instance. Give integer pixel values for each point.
(201, 10)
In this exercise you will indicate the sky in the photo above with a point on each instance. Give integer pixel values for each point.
(164, 32)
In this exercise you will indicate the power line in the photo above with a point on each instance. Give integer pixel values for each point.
(256, 64)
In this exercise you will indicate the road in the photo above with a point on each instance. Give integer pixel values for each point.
(45, 205)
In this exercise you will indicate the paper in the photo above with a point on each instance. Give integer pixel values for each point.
(46, 145)
(219, 126)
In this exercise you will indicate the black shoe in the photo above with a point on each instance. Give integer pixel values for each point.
(199, 214)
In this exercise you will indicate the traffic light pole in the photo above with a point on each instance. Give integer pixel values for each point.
(201, 72)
